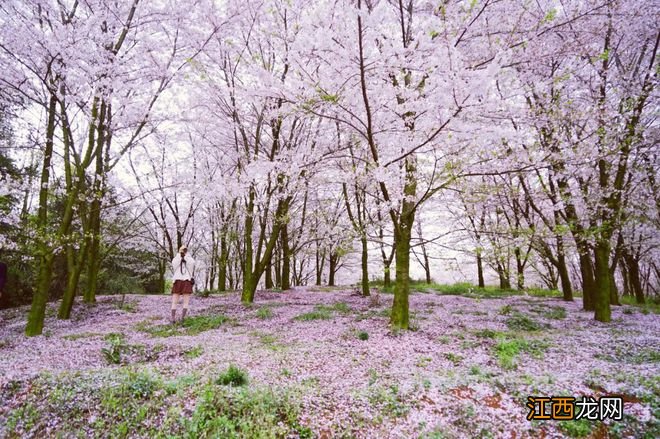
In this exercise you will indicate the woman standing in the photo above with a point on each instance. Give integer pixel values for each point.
(183, 270)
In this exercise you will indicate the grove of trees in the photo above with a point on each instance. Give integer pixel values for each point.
(280, 139)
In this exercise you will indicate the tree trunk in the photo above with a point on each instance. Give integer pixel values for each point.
(480, 270)
(505, 283)
(46, 257)
(286, 258)
(320, 263)
(94, 255)
(400, 314)
(75, 265)
(334, 260)
(602, 279)
(269, 276)
(520, 271)
(588, 281)
(365, 266)
(222, 261)
(635, 280)
(614, 290)
(566, 287)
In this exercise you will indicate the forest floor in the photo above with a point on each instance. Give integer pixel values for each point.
(324, 363)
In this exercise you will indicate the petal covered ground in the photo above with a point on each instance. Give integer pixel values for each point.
(464, 371)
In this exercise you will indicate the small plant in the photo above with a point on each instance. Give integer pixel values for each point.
(363, 335)
(203, 293)
(423, 361)
(507, 350)
(264, 313)
(579, 428)
(112, 353)
(555, 313)
(505, 310)
(233, 376)
(190, 326)
(521, 322)
(317, 314)
(487, 333)
(454, 358)
(142, 385)
(194, 352)
(128, 306)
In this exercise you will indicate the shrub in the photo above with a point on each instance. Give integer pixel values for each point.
(194, 352)
(264, 313)
(233, 376)
(579, 428)
(363, 335)
(555, 313)
(521, 322)
(246, 413)
(191, 326)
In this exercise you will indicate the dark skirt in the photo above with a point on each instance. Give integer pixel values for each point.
(182, 287)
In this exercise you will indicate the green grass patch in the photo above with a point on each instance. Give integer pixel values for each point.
(269, 341)
(81, 335)
(233, 376)
(264, 313)
(324, 312)
(314, 315)
(455, 359)
(555, 313)
(388, 400)
(508, 349)
(363, 335)
(488, 333)
(246, 413)
(630, 355)
(191, 326)
(579, 428)
(194, 352)
(140, 403)
(466, 289)
(652, 305)
(522, 322)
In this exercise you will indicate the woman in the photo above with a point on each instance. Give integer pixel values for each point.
(183, 269)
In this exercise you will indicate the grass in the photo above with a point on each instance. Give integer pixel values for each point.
(246, 413)
(120, 352)
(81, 335)
(522, 322)
(191, 326)
(130, 403)
(466, 289)
(324, 312)
(314, 315)
(579, 428)
(455, 359)
(363, 335)
(233, 376)
(264, 313)
(651, 305)
(194, 352)
(555, 313)
(508, 349)
(630, 355)
(388, 400)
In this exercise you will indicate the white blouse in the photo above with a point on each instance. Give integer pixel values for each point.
(185, 270)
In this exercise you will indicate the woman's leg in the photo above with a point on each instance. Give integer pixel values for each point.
(186, 300)
(175, 300)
